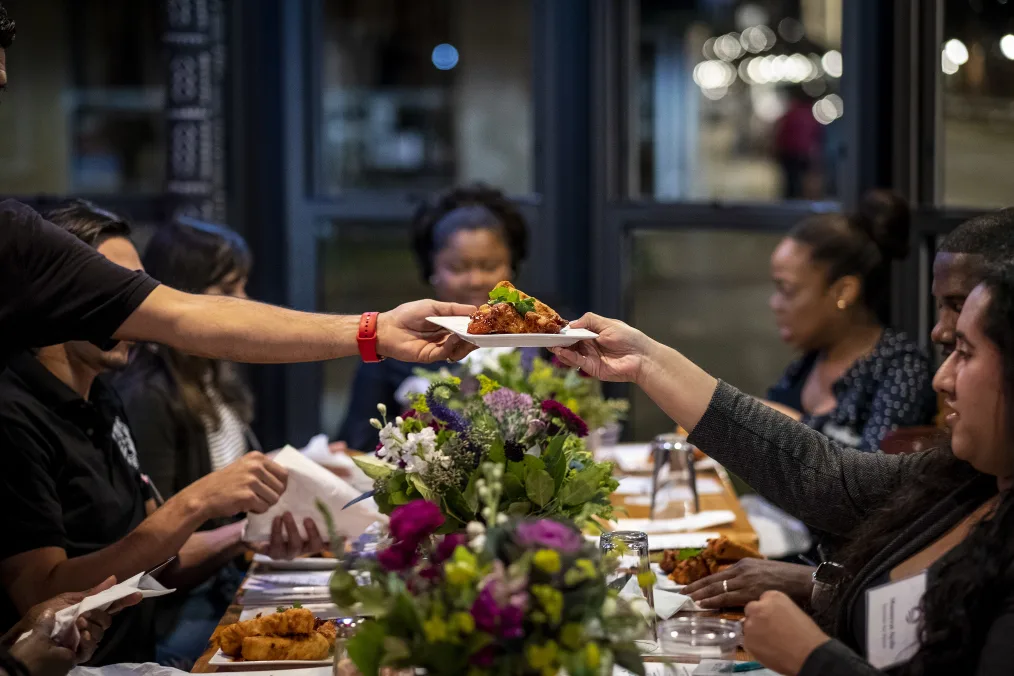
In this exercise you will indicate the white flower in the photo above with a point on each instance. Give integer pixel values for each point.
(609, 607)
(375, 424)
(478, 542)
(399, 421)
(382, 409)
(437, 458)
(475, 528)
(501, 519)
(421, 443)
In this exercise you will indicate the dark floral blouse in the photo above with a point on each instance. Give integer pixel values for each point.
(888, 389)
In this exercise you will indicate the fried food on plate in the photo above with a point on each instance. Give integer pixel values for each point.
(690, 565)
(294, 625)
(513, 311)
(278, 648)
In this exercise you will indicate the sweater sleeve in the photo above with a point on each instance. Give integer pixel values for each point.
(834, 659)
(825, 485)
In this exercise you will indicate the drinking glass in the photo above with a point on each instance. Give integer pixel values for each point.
(690, 638)
(632, 560)
(674, 478)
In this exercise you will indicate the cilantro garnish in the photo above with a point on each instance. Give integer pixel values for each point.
(685, 554)
(502, 294)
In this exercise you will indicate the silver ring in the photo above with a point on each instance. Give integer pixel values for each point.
(725, 586)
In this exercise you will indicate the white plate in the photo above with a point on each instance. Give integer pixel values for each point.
(566, 337)
(296, 564)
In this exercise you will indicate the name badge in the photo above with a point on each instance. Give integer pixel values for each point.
(892, 621)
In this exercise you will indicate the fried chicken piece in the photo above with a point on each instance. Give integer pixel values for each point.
(689, 570)
(504, 318)
(295, 621)
(725, 549)
(278, 648)
(670, 557)
(328, 629)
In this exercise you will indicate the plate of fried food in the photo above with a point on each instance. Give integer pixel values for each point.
(265, 638)
(685, 566)
(512, 318)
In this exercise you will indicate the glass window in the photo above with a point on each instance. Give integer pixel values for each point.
(361, 267)
(739, 99)
(977, 60)
(83, 110)
(712, 306)
(420, 94)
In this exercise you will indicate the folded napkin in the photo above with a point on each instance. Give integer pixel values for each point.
(319, 451)
(667, 603)
(309, 482)
(699, 521)
(64, 627)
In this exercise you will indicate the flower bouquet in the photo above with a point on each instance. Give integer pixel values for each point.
(522, 598)
(435, 450)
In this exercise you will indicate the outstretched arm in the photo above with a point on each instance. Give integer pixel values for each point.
(222, 327)
(798, 469)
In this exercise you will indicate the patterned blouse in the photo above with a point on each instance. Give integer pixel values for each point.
(887, 389)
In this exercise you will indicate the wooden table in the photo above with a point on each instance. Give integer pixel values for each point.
(740, 531)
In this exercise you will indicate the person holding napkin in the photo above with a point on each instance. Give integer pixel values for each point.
(80, 508)
(928, 587)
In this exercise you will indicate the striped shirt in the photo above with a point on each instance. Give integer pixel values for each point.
(227, 443)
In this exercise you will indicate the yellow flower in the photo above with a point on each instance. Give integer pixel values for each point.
(540, 657)
(646, 579)
(551, 601)
(487, 385)
(592, 656)
(572, 405)
(547, 561)
(586, 567)
(435, 630)
(549, 671)
(463, 622)
(570, 635)
(460, 573)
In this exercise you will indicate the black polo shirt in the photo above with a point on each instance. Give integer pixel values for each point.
(55, 288)
(69, 480)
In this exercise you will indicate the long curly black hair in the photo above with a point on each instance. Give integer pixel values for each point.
(7, 29)
(975, 578)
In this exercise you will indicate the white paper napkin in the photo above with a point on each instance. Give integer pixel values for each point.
(309, 482)
(639, 487)
(318, 450)
(65, 619)
(708, 519)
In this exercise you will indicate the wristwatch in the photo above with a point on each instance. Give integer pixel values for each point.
(826, 579)
(367, 338)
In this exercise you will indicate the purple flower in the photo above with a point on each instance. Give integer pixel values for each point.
(485, 611)
(431, 573)
(398, 557)
(447, 546)
(504, 401)
(511, 619)
(415, 521)
(572, 421)
(549, 534)
(440, 411)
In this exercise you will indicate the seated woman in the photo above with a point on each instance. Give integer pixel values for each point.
(466, 241)
(190, 415)
(936, 523)
(857, 380)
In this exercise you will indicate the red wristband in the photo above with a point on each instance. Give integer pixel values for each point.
(367, 338)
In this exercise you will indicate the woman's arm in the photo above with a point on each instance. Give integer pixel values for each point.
(796, 468)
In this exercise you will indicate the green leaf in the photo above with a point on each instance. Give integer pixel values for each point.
(416, 481)
(532, 464)
(366, 648)
(577, 491)
(496, 453)
(540, 487)
(455, 504)
(395, 649)
(512, 297)
(471, 494)
(342, 586)
(684, 554)
(517, 469)
(522, 508)
(400, 498)
(556, 461)
(629, 658)
(513, 488)
(403, 618)
(383, 500)
(373, 467)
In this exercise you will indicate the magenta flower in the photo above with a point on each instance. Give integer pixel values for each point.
(398, 557)
(415, 521)
(447, 546)
(511, 619)
(572, 421)
(485, 611)
(549, 534)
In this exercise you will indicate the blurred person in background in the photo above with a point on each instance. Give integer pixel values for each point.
(857, 380)
(85, 510)
(798, 146)
(466, 241)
